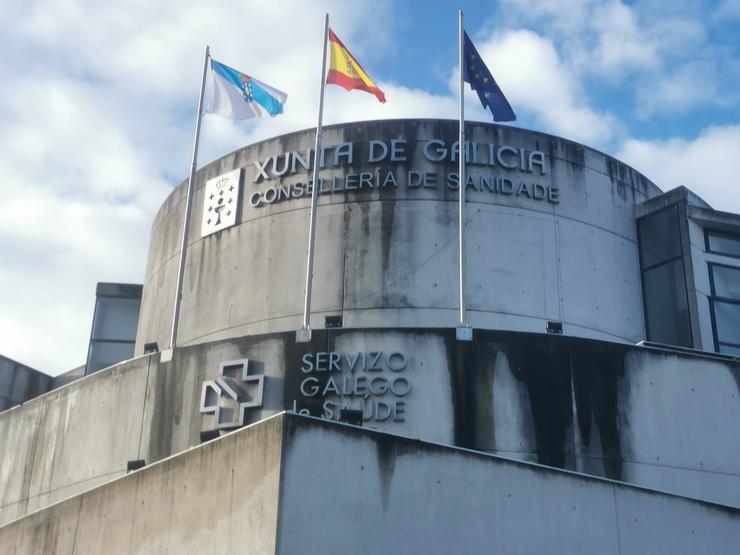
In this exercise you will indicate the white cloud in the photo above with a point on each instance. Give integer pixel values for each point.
(99, 127)
(620, 43)
(530, 72)
(96, 127)
(682, 89)
(707, 165)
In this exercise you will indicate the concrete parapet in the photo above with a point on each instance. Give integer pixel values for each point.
(294, 484)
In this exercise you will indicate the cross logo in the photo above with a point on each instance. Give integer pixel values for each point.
(238, 388)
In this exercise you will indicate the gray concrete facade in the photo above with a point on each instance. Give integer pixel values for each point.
(293, 484)
(219, 498)
(645, 416)
(550, 222)
(552, 238)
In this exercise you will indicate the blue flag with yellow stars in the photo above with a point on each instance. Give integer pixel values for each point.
(481, 81)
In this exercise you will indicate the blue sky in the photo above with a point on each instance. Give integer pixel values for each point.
(98, 107)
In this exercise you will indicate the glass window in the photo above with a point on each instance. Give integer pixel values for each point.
(108, 353)
(116, 318)
(725, 306)
(723, 243)
(659, 237)
(727, 321)
(729, 350)
(726, 282)
(115, 321)
(666, 304)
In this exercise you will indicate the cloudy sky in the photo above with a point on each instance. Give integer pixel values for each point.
(99, 98)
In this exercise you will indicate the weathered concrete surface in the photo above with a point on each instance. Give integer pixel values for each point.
(345, 490)
(84, 434)
(172, 421)
(218, 498)
(293, 484)
(639, 415)
(18, 434)
(386, 256)
(71, 439)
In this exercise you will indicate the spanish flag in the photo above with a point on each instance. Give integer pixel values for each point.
(346, 72)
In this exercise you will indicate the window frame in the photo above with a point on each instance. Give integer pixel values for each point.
(644, 269)
(725, 234)
(95, 340)
(727, 300)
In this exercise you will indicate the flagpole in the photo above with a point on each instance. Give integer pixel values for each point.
(463, 332)
(304, 334)
(188, 203)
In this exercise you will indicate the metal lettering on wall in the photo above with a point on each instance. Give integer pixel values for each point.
(221, 202)
(228, 397)
(493, 169)
(375, 383)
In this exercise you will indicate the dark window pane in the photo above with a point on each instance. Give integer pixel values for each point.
(727, 318)
(723, 244)
(726, 282)
(666, 305)
(104, 354)
(729, 350)
(659, 237)
(116, 318)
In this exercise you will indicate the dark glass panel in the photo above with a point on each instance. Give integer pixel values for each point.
(727, 319)
(116, 318)
(729, 350)
(106, 353)
(726, 282)
(659, 237)
(666, 305)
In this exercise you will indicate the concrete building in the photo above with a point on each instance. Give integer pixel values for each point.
(589, 413)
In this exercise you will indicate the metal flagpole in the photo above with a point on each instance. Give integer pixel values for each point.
(188, 203)
(463, 332)
(304, 334)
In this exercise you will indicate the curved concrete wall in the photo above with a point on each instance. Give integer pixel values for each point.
(550, 236)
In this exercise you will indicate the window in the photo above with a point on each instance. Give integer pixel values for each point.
(114, 325)
(663, 280)
(725, 308)
(721, 242)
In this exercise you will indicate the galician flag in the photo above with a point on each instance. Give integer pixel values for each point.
(346, 72)
(237, 95)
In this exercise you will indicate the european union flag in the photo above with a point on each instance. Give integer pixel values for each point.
(481, 81)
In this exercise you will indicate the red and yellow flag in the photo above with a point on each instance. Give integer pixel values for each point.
(346, 72)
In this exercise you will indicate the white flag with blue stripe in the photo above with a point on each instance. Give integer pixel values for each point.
(236, 95)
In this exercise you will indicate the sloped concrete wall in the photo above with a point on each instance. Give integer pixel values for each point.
(84, 434)
(218, 498)
(71, 439)
(349, 491)
(294, 484)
